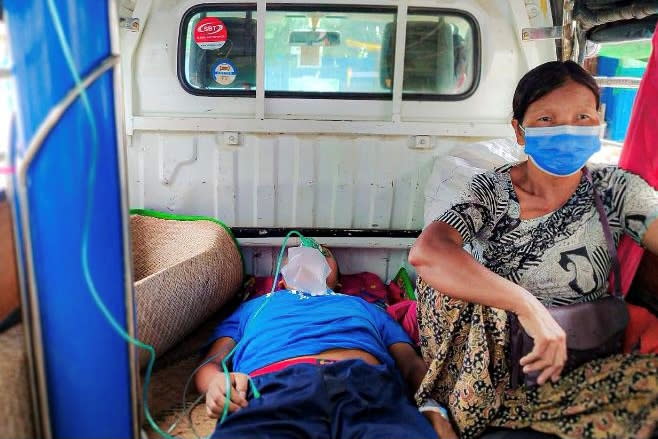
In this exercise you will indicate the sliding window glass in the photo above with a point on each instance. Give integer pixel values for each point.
(321, 51)
(441, 59)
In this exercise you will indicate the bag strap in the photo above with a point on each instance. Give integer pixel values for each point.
(516, 350)
(607, 231)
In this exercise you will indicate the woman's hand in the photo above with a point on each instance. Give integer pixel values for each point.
(441, 425)
(549, 353)
(216, 394)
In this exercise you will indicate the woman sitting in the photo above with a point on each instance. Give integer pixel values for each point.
(535, 240)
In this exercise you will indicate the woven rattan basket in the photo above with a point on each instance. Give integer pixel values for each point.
(184, 272)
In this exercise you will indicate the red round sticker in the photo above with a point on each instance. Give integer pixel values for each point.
(210, 33)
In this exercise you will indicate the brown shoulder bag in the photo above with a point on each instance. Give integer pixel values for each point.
(594, 329)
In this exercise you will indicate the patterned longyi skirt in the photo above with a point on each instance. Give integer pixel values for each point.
(465, 346)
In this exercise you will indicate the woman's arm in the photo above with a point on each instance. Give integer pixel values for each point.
(441, 261)
(650, 240)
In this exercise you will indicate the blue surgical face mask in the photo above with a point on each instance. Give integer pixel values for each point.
(561, 150)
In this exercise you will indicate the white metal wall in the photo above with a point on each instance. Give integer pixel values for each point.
(283, 180)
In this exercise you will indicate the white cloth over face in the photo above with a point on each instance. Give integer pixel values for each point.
(307, 270)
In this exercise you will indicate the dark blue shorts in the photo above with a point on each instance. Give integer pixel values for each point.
(347, 399)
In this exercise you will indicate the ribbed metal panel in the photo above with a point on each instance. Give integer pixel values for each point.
(283, 180)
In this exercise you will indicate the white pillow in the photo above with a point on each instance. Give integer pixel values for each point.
(452, 173)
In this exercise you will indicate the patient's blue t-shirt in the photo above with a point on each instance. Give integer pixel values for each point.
(293, 324)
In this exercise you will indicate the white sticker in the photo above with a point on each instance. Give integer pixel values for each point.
(224, 72)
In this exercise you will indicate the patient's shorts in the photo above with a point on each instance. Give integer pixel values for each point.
(343, 400)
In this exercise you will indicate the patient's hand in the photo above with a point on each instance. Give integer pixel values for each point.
(216, 394)
(441, 425)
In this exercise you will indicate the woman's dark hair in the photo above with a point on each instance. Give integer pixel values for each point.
(545, 78)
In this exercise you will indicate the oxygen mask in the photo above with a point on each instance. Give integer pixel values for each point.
(307, 270)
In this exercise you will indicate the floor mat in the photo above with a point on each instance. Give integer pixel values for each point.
(203, 425)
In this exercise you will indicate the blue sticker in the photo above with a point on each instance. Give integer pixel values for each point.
(224, 72)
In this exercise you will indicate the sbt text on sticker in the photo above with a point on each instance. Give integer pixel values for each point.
(210, 29)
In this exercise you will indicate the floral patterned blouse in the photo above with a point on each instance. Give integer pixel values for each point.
(560, 257)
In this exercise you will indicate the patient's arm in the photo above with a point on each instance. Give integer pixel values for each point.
(411, 366)
(413, 370)
(219, 349)
(211, 380)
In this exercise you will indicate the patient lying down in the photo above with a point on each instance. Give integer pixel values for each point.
(325, 364)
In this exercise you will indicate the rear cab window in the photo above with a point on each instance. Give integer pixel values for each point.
(328, 51)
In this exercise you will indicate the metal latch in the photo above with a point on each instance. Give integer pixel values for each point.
(422, 142)
(129, 23)
(541, 33)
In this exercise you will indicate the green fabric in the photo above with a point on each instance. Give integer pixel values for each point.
(171, 216)
(402, 278)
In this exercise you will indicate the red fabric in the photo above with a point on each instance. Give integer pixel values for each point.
(639, 156)
(258, 286)
(639, 153)
(367, 286)
(394, 293)
(405, 313)
(642, 331)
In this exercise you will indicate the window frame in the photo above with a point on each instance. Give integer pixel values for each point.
(345, 8)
